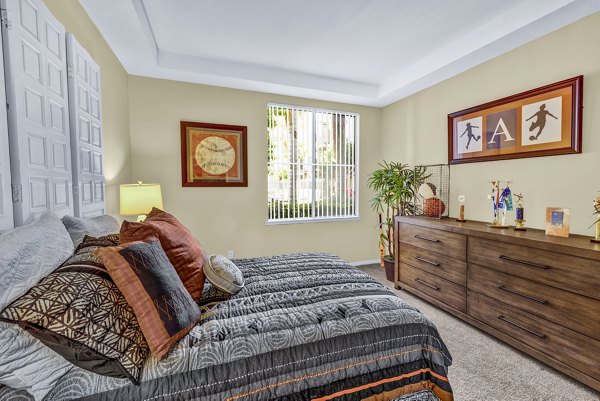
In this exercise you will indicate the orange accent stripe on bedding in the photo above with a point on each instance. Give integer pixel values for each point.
(381, 358)
(399, 392)
(377, 383)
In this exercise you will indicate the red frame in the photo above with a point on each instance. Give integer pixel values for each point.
(576, 83)
(221, 127)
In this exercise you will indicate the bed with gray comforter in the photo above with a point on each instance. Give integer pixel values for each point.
(304, 327)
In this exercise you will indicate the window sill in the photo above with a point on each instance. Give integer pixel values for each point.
(311, 220)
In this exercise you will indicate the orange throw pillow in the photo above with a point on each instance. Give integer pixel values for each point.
(183, 250)
(162, 305)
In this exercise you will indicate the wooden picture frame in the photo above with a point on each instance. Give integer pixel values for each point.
(545, 121)
(213, 155)
(558, 221)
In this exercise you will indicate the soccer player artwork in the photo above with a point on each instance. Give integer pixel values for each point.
(213, 155)
(541, 122)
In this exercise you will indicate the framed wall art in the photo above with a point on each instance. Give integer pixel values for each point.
(213, 155)
(541, 122)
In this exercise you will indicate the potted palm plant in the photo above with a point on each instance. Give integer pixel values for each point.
(395, 185)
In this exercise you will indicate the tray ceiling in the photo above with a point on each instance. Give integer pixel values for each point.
(354, 51)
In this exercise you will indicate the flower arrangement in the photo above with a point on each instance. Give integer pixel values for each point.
(597, 205)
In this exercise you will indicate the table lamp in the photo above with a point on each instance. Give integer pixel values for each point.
(139, 199)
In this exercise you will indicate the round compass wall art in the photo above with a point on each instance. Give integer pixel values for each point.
(213, 155)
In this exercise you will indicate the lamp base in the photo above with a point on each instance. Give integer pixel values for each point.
(141, 218)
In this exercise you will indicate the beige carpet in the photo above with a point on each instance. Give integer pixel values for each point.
(485, 369)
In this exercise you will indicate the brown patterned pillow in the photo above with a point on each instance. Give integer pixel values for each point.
(164, 308)
(84, 259)
(183, 250)
(83, 317)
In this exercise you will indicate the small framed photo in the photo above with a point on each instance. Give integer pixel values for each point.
(213, 155)
(557, 221)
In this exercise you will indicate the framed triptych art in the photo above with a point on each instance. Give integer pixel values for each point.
(213, 155)
(541, 122)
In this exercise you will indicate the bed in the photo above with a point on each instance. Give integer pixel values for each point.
(305, 326)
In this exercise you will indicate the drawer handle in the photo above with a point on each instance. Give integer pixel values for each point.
(426, 238)
(525, 329)
(540, 301)
(524, 262)
(420, 259)
(427, 284)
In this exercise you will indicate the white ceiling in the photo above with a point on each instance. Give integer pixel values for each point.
(370, 52)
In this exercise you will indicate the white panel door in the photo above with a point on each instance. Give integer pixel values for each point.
(6, 207)
(85, 118)
(36, 84)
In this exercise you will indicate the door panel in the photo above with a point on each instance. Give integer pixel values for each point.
(36, 70)
(6, 207)
(85, 116)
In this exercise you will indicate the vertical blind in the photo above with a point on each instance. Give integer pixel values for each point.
(312, 164)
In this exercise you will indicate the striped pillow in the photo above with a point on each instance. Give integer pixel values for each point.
(183, 250)
(164, 309)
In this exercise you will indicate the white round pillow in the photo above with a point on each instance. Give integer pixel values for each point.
(223, 274)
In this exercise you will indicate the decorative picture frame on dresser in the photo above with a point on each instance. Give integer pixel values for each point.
(213, 155)
(558, 221)
(545, 121)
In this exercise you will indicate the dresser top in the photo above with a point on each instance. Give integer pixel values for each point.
(578, 245)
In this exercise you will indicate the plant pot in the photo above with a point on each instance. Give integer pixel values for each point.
(390, 267)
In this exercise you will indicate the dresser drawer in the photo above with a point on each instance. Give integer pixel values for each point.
(570, 273)
(449, 293)
(574, 349)
(571, 310)
(442, 266)
(442, 242)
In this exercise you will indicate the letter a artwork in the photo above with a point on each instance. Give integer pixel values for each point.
(501, 129)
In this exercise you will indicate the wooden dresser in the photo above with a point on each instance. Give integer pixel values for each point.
(538, 293)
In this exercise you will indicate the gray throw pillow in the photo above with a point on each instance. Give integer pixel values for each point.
(224, 274)
(30, 253)
(79, 227)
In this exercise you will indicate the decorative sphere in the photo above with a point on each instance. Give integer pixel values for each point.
(427, 190)
(433, 207)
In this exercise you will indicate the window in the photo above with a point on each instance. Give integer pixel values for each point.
(312, 164)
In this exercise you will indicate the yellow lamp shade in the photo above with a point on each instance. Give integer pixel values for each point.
(139, 199)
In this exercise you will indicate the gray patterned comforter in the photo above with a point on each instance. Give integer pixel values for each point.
(305, 326)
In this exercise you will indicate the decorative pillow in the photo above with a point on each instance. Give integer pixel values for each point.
(224, 274)
(84, 318)
(84, 258)
(96, 226)
(30, 253)
(27, 364)
(183, 250)
(164, 308)
(211, 296)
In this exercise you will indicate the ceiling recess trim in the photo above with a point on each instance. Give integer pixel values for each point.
(132, 39)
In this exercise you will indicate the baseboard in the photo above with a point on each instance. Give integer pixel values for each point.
(365, 262)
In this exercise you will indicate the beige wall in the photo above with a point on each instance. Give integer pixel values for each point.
(141, 135)
(115, 105)
(234, 218)
(414, 130)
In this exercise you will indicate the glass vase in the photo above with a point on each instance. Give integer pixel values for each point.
(597, 237)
